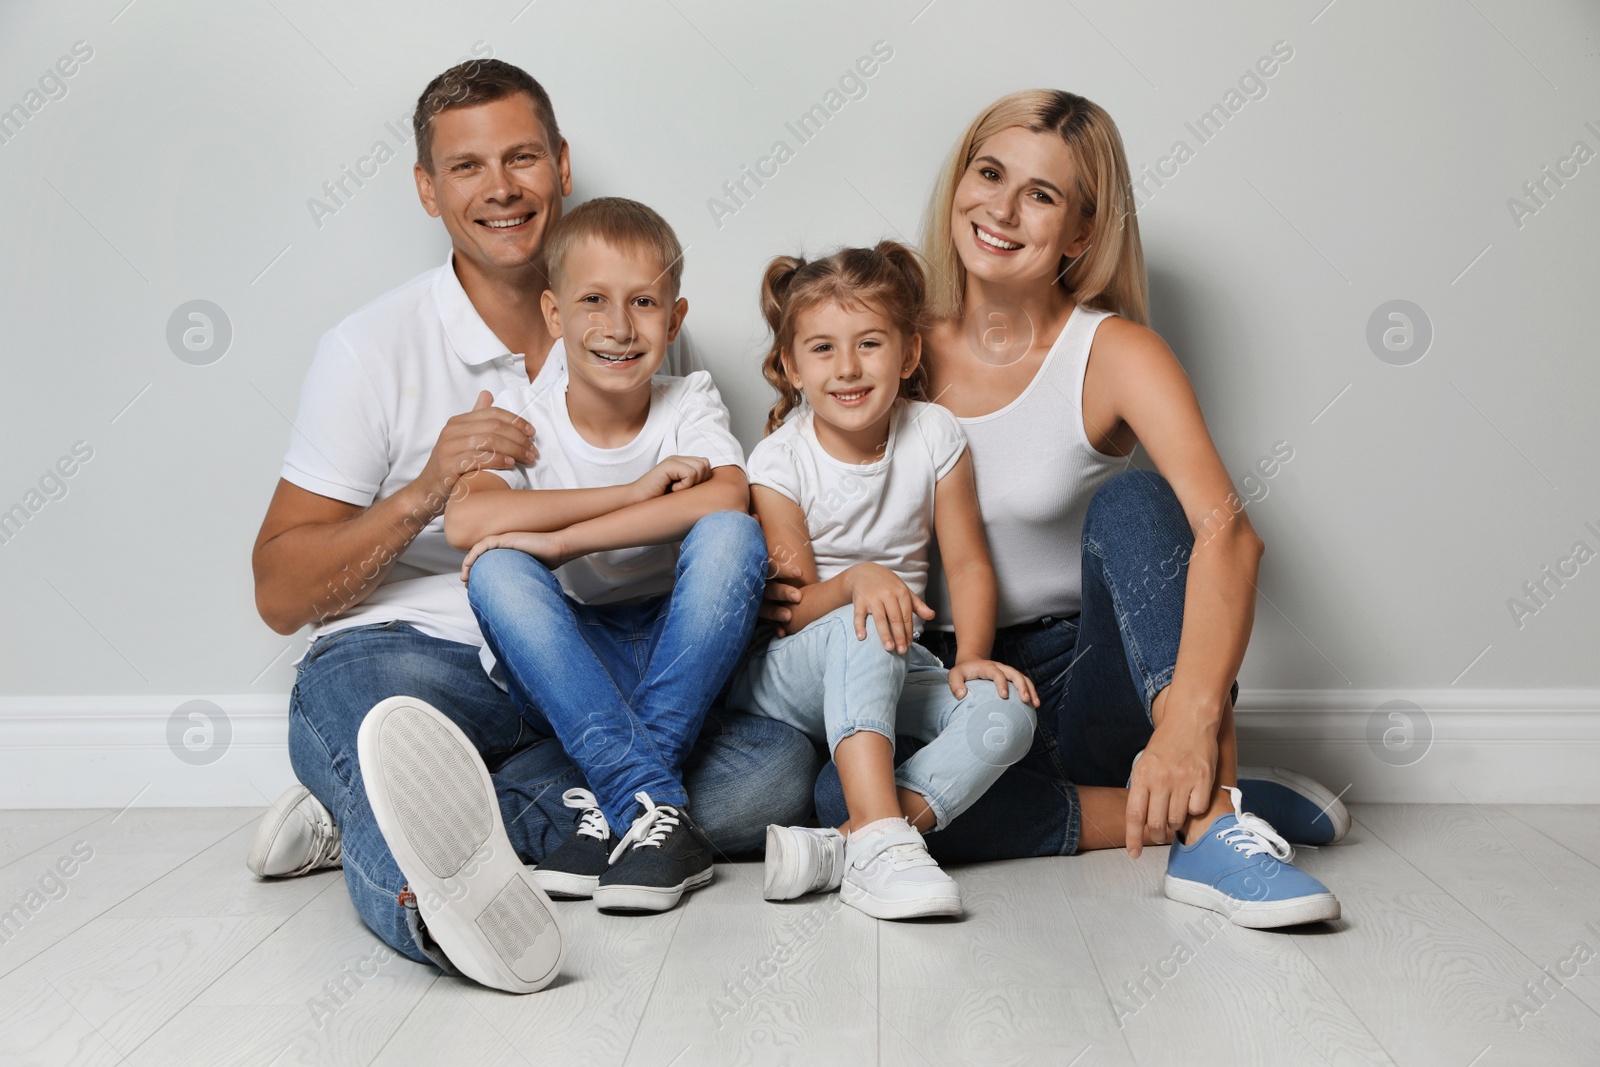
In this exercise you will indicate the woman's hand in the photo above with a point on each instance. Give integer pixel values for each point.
(548, 548)
(878, 591)
(998, 673)
(1173, 780)
(672, 474)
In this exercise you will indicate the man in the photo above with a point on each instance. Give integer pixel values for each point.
(394, 411)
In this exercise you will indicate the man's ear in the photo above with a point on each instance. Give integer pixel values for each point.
(913, 355)
(425, 190)
(675, 323)
(564, 168)
(552, 312)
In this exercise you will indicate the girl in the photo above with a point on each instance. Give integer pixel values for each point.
(855, 479)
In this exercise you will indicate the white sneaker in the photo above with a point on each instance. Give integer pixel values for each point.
(801, 860)
(436, 806)
(296, 836)
(889, 875)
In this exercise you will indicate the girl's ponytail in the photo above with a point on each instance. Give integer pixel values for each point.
(775, 285)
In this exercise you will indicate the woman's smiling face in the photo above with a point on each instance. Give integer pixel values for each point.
(1015, 212)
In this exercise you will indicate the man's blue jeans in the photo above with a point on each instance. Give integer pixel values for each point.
(625, 686)
(1096, 673)
(744, 771)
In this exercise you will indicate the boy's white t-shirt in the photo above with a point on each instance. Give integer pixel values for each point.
(879, 512)
(687, 418)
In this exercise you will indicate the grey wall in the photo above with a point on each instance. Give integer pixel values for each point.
(1377, 166)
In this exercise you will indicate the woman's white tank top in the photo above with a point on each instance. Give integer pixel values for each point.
(1036, 471)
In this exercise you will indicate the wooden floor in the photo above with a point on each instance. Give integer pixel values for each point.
(1470, 938)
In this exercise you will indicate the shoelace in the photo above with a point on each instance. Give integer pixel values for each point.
(651, 828)
(592, 823)
(1252, 835)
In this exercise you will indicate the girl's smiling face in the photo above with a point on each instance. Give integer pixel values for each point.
(849, 362)
(1015, 212)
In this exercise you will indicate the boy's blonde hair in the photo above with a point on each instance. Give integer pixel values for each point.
(621, 223)
(1110, 274)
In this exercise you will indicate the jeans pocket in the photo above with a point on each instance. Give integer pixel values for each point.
(326, 641)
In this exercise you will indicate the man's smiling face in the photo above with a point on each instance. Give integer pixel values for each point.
(497, 182)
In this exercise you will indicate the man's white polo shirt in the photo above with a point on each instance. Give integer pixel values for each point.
(383, 384)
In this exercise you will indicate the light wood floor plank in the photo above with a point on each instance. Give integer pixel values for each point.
(23, 831)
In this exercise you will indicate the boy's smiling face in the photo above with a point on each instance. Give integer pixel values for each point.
(616, 312)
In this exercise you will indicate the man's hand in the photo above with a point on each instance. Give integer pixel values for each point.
(672, 474)
(485, 438)
(878, 591)
(548, 548)
(1173, 780)
(783, 590)
(998, 673)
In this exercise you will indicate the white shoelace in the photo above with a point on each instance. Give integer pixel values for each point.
(1252, 835)
(650, 828)
(592, 823)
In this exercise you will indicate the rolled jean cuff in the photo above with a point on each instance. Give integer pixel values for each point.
(1074, 820)
(877, 726)
(936, 803)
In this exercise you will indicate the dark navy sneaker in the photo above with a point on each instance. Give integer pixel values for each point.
(661, 857)
(574, 869)
(1299, 808)
(1240, 868)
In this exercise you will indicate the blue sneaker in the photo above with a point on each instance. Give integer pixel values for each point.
(1299, 808)
(1240, 867)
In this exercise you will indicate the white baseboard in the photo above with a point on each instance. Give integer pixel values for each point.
(1487, 746)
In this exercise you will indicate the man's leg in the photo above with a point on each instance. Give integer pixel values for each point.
(543, 642)
(340, 680)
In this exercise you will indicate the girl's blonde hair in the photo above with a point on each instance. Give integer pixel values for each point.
(1110, 273)
(888, 276)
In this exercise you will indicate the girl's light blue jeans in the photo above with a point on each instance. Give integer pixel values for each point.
(828, 684)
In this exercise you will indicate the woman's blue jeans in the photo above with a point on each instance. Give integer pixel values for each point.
(1096, 673)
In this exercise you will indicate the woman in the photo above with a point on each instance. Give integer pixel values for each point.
(1132, 630)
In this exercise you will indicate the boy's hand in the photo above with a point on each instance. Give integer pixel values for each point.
(782, 592)
(997, 672)
(672, 474)
(878, 591)
(548, 548)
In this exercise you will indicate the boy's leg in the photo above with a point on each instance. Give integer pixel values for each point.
(700, 630)
(970, 741)
(543, 646)
(340, 680)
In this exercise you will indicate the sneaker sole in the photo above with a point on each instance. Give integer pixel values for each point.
(1310, 788)
(1254, 914)
(648, 897)
(267, 833)
(436, 807)
(931, 907)
(565, 885)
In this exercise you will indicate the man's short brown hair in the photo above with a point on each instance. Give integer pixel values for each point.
(620, 223)
(478, 81)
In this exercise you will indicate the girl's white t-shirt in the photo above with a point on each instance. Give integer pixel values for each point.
(879, 512)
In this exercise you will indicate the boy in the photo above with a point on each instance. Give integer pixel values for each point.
(616, 577)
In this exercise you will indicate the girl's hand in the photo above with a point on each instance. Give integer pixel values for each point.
(998, 673)
(547, 548)
(672, 474)
(878, 591)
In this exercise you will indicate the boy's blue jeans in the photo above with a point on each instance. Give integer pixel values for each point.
(1096, 673)
(829, 684)
(625, 687)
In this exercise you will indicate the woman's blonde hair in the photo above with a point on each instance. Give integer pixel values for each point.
(1110, 274)
(888, 276)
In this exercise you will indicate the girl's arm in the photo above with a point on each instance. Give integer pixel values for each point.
(484, 505)
(969, 575)
(1151, 393)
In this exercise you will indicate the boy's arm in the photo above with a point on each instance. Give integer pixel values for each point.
(483, 504)
(659, 520)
